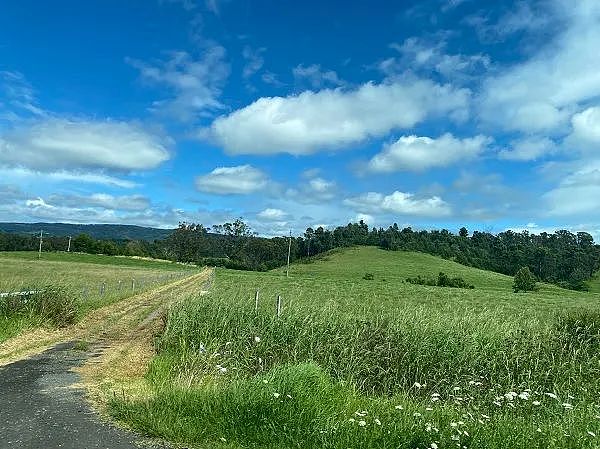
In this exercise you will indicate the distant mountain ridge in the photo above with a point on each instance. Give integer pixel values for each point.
(97, 231)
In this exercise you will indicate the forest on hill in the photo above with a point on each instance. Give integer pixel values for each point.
(564, 258)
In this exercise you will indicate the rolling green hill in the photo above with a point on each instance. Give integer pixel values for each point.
(380, 363)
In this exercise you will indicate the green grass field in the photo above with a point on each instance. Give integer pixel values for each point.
(355, 363)
(92, 280)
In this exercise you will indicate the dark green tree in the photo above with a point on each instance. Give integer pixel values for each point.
(524, 281)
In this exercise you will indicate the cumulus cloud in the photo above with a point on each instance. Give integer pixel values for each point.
(400, 203)
(241, 179)
(271, 214)
(586, 129)
(541, 94)
(195, 83)
(421, 153)
(313, 189)
(529, 149)
(59, 144)
(328, 119)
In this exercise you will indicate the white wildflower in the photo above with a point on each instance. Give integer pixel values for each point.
(352, 420)
(536, 402)
(524, 395)
(417, 414)
(265, 381)
(539, 430)
(433, 446)
(377, 422)
(552, 395)
(497, 403)
(485, 416)
(257, 339)
(418, 385)
(399, 407)
(288, 396)
(223, 440)
(429, 409)
(567, 405)
(276, 395)
(362, 423)
(590, 433)
(453, 424)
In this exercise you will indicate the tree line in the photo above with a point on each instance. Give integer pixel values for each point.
(565, 258)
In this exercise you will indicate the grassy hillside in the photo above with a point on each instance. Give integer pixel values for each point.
(123, 261)
(375, 363)
(85, 282)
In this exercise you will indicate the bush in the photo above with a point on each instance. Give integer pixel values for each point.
(443, 280)
(524, 281)
(369, 276)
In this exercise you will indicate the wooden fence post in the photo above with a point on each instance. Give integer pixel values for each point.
(278, 305)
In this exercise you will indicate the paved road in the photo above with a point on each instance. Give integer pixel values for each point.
(40, 408)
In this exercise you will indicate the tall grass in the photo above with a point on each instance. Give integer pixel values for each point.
(353, 363)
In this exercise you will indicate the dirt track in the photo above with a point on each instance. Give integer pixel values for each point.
(43, 396)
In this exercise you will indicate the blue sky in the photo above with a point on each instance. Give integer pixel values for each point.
(435, 113)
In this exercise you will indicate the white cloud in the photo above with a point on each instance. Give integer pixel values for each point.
(418, 55)
(578, 193)
(195, 83)
(18, 96)
(254, 60)
(271, 214)
(313, 189)
(421, 153)
(540, 94)
(315, 76)
(368, 219)
(103, 201)
(586, 130)
(399, 203)
(529, 149)
(242, 179)
(60, 144)
(329, 119)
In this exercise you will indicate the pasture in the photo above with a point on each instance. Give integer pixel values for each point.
(374, 363)
(87, 281)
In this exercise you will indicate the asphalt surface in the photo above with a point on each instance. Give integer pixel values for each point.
(41, 409)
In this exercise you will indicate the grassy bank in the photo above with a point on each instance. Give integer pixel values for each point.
(81, 282)
(376, 363)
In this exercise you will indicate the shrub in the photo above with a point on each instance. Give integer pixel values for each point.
(443, 280)
(524, 281)
(369, 276)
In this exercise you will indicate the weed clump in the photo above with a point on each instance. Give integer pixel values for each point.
(443, 280)
(369, 276)
(51, 304)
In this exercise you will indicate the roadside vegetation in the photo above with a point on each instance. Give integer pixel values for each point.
(355, 362)
(65, 286)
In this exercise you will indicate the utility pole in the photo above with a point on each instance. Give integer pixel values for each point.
(40, 250)
(287, 272)
(69, 246)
